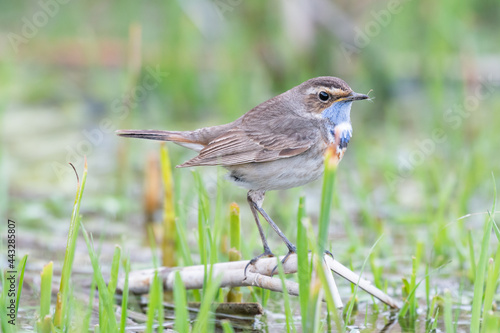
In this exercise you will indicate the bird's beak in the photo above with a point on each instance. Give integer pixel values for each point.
(353, 96)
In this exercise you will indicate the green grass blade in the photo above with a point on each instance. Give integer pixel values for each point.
(493, 208)
(428, 291)
(316, 319)
(489, 293)
(448, 316)
(203, 320)
(435, 322)
(227, 327)
(46, 290)
(123, 319)
(107, 298)
(496, 229)
(103, 316)
(330, 302)
(181, 324)
(303, 264)
(9, 306)
(155, 305)
(413, 282)
(115, 269)
(290, 326)
(218, 222)
(314, 285)
(4, 319)
(491, 323)
(264, 296)
(479, 282)
(182, 243)
(152, 304)
(20, 278)
(90, 307)
(202, 224)
(45, 325)
(320, 281)
(69, 255)
(407, 304)
(472, 257)
(326, 198)
(491, 286)
(351, 304)
(180, 229)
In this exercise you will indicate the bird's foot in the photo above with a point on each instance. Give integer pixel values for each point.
(328, 253)
(291, 251)
(267, 253)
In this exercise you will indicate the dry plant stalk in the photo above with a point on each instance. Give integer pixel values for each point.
(259, 275)
(168, 245)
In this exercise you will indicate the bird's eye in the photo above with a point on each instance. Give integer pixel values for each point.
(324, 96)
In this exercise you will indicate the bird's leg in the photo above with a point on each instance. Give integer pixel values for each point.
(255, 200)
(253, 206)
(267, 250)
(291, 247)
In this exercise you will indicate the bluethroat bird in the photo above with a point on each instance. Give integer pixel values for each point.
(277, 145)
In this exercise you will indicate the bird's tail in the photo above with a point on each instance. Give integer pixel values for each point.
(152, 135)
(184, 139)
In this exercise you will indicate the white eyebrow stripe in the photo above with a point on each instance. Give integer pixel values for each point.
(311, 91)
(332, 91)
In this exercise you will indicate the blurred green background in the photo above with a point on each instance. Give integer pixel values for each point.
(423, 151)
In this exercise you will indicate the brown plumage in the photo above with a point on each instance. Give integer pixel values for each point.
(278, 144)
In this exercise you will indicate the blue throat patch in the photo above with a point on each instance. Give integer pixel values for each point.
(344, 139)
(336, 114)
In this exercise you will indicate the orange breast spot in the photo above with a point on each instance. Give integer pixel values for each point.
(333, 154)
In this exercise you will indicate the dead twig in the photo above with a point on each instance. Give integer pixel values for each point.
(258, 275)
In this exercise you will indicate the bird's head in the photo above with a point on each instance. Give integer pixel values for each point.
(330, 98)
(326, 94)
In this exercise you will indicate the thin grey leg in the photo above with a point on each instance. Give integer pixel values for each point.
(254, 208)
(255, 200)
(289, 244)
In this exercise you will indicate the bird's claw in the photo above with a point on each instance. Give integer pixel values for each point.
(285, 258)
(267, 253)
(329, 254)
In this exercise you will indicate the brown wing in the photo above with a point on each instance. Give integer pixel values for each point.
(263, 140)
